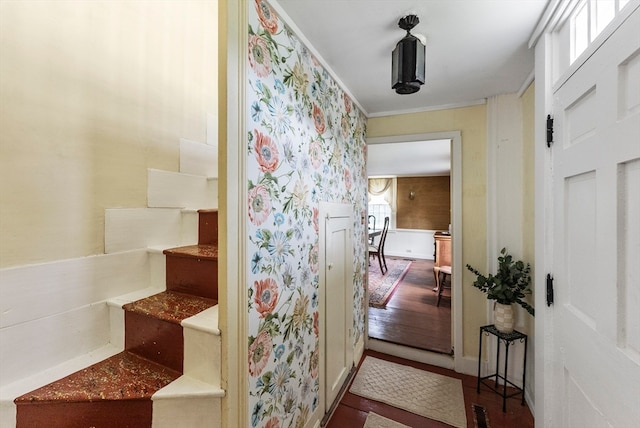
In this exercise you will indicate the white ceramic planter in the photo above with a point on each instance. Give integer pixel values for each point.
(504, 317)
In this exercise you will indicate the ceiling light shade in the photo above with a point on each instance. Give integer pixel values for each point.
(407, 66)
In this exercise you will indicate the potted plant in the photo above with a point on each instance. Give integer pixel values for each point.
(508, 286)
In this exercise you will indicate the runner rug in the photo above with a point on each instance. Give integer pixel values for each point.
(381, 287)
(376, 421)
(427, 394)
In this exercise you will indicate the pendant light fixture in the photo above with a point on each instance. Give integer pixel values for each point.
(407, 67)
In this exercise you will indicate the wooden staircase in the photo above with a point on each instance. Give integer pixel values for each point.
(121, 391)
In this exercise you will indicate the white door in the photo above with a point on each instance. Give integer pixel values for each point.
(338, 298)
(595, 331)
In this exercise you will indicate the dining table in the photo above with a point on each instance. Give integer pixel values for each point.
(372, 234)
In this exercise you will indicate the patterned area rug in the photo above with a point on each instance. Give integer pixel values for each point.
(427, 394)
(381, 287)
(376, 421)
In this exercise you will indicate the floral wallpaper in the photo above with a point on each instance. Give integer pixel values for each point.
(305, 144)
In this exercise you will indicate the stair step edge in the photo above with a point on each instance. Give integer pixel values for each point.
(185, 387)
(170, 306)
(205, 321)
(122, 300)
(202, 251)
(124, 376)
(197, 210)
(20, 387)
(159, 249)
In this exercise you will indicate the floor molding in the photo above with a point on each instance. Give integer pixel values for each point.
(414, 354)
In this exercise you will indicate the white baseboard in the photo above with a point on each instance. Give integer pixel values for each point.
(413, 354)
(358, 350)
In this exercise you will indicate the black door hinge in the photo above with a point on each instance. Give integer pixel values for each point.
(549, 130)
(549, 290)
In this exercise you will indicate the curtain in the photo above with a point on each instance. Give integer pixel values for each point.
(377, 186)
(384, 187)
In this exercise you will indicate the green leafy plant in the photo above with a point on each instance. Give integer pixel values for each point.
(509, 285)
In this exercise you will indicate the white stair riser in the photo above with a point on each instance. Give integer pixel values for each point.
(202, 355)
(187, 412)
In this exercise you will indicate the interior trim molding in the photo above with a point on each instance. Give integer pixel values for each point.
(456, 225)
(463, 104)
(233, 21)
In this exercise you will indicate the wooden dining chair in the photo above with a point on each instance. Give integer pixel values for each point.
(444, 272)
(372, 226)
(378, 250)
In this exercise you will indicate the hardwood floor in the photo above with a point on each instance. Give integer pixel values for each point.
(411, 317)
(352, 410)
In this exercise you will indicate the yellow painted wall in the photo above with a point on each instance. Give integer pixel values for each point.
(472, 123)
(92, 93)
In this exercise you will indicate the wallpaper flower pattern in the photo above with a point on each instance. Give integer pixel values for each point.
(305, 144)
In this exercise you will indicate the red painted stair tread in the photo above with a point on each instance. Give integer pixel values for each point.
(171, 306)
(203, 251)
(120, 377)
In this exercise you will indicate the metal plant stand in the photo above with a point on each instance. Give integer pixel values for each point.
(507, 339)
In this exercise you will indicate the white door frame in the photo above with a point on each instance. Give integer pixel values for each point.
(327, 210)
(456, 227)
(233, 19)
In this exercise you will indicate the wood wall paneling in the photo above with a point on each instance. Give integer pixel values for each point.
(431, 206)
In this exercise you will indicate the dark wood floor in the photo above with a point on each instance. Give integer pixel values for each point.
(411, 317)
(352, 410)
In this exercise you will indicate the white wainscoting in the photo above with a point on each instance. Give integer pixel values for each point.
(55, 311)
(412, 243)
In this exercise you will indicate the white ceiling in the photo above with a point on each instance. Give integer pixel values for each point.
(475, 48)
(409, 159)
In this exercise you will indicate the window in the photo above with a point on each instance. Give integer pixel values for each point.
(589, 19)
(379, 208)
(382, 200)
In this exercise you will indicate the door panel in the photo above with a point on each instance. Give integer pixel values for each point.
(596, 237)
(337, 297)
(336, 317)
(629, 264)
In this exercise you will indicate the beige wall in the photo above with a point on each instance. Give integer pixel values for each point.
(472, 123)
(91, 95)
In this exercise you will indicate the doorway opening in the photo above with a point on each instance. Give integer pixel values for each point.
(412, 316)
